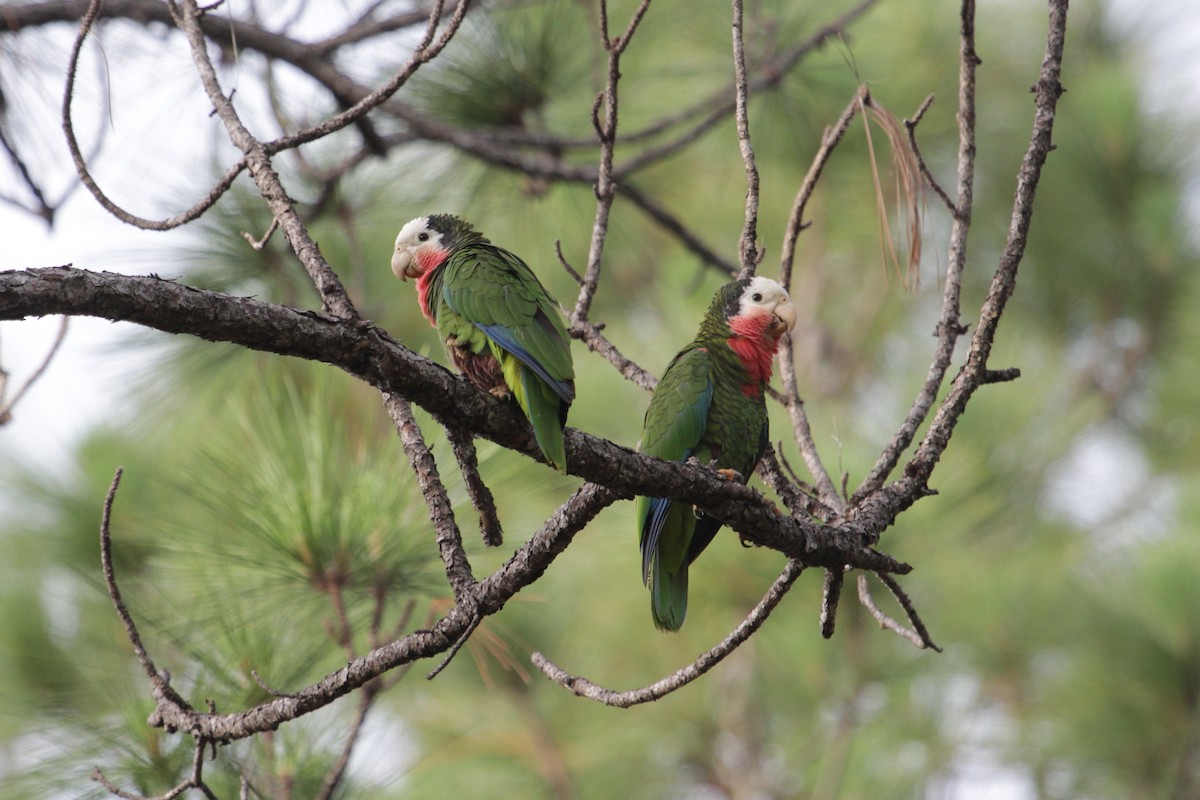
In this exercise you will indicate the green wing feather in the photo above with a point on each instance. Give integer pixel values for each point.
(497, 303)
(674, 428)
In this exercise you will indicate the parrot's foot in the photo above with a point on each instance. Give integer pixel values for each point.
(724, 474)
(501, 392)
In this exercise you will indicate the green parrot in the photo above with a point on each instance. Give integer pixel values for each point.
(710, 405)
(500, 327)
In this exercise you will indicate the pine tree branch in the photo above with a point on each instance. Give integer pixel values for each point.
(949, 326)
(488, 596)
(682, 677)
(975, 372)
(371, 355)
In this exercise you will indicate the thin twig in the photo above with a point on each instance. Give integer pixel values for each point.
(748, 243)
(590, 335)
(606, 133)
(85, 176)
(259, 244)
(340, 629)
(6, 408)
(911, 610)
(566, 265)
(427, 50)
(829, 140)
(673, 225)
(886, 622)
(454, 648)
(910, 125)
(117, 791)
(463, 445)
(44, 209)
(787, 359)
(719, 105)
(262, 684)
(706, 661)
(195, 779)
(161, 687)
(793, 492)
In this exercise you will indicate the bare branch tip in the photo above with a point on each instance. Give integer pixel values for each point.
(268, 689)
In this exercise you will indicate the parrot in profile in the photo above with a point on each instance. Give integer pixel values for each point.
(499, 326)
(710, 404)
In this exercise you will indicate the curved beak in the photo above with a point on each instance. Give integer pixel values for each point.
(402, 263)
(783, 318)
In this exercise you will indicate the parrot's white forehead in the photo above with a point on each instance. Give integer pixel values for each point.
(408, 234)
(767, 288)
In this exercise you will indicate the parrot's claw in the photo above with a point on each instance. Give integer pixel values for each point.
(724, 474)
(501, 392)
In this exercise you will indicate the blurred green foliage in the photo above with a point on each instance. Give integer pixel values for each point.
(267, 507)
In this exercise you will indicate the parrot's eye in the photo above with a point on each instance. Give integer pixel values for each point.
(756, 297)
(422, 237)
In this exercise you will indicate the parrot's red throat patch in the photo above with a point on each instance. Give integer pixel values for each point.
(755, 345)
(428, 260)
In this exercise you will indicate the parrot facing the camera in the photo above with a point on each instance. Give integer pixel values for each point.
(500, 327)
(710, 404)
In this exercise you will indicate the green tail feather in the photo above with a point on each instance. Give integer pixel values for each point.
(668, 596)
(546, 414)
(665, 562)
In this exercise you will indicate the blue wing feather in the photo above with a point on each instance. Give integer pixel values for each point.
(504, 337)
(652, 527)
